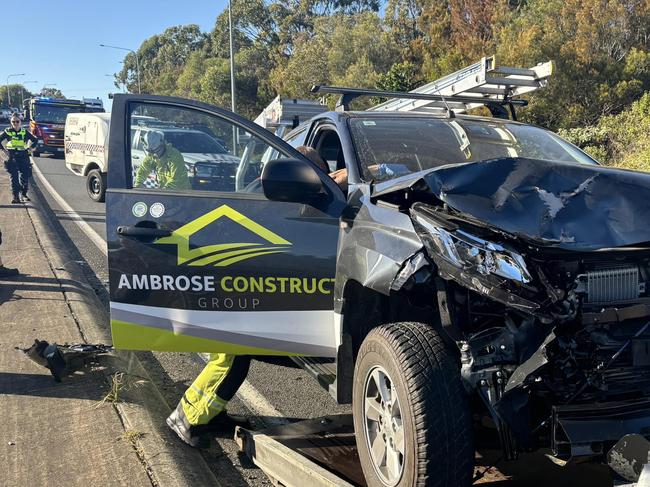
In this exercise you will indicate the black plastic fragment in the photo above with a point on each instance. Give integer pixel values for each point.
(60, 359)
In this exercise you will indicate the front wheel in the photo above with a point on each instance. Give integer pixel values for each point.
(96, 185)
(411, 414)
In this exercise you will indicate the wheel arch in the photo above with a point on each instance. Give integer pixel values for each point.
(364, 309)
(90, 166)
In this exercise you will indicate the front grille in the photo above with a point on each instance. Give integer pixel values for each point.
(611, 285)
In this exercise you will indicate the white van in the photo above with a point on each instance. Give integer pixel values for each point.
(86, 149)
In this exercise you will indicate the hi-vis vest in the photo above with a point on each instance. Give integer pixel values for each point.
(17, 141)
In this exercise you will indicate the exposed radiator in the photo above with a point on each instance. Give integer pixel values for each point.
(611, 285)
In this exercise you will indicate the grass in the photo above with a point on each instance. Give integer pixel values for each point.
(119, 382)
(134, 437)
(114, 392)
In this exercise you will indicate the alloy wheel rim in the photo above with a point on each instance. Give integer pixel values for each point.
(383, 428)
(94, 185)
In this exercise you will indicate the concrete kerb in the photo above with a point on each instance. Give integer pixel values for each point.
(143, 409)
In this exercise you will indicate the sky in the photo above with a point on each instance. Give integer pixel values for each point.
(57, 43)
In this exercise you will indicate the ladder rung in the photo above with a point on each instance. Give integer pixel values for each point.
(514, 71)
(437, 104)
(489, 91)
(511, 81)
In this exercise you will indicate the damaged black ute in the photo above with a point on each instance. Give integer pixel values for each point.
(490, 276)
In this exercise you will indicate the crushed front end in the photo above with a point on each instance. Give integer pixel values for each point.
(542, 277)
(556, 343)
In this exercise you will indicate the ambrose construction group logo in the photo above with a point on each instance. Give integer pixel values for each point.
(224, 254)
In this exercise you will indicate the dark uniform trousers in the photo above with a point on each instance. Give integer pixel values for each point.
(20, 168)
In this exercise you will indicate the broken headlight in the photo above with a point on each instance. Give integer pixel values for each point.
(468, 252)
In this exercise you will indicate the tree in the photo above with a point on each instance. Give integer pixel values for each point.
(17, 92)
(345, 50)
(600, 49)
(403, 76)
(161, 59)
(52, 93)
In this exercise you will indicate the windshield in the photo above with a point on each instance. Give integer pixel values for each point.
(53, 114)
(194, 142)
(391, 147)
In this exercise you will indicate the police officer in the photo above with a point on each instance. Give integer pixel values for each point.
(15, 143)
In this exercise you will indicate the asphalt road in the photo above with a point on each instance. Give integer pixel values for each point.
(275, 391)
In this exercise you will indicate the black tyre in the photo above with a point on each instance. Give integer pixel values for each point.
(411, 414)
(96, 185)
(36, 153)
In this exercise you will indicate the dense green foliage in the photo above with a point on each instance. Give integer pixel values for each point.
(17, 93)
(601, 50)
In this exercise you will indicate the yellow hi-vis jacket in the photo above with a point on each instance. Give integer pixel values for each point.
(16, 139)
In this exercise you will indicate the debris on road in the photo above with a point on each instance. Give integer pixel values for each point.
(61, 359)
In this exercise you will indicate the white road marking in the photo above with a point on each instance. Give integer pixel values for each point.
(257, 403)
(250, 396)
(81, 223)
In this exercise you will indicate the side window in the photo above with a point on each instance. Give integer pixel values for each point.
(294, 139)
(329, 147)
(185, 149)
(297, 138)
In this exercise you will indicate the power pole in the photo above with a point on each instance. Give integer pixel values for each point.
(233, 104)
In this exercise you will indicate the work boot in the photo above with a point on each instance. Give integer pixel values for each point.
(25, 197)
(192, 434)
(182, 427)
(8, 271)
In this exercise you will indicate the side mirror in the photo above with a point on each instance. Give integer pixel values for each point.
(291, 180)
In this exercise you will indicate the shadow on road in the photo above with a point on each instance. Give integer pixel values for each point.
(84, 384)
(537, 470)
(16, 288)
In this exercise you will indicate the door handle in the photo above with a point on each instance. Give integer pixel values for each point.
(142, 232)
(135, 157)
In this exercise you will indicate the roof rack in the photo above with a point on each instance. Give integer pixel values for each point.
(480, 84)
(484, 81)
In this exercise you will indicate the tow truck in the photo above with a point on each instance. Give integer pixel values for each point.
(474, 274)
(46, 117)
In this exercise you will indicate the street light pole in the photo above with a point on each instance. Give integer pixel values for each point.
(8, 95)
(233, 104)
(232, 61)
(137, 61)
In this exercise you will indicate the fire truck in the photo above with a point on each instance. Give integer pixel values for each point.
(46, 118)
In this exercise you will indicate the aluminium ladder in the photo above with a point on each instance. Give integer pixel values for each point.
(483, 80)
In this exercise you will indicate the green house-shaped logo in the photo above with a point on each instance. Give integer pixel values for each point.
(223, 255)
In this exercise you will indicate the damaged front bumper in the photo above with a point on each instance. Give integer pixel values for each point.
(588, 430)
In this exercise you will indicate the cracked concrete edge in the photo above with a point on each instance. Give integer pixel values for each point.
(168, 461)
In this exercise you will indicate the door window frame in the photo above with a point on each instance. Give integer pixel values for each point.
(120, 145)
